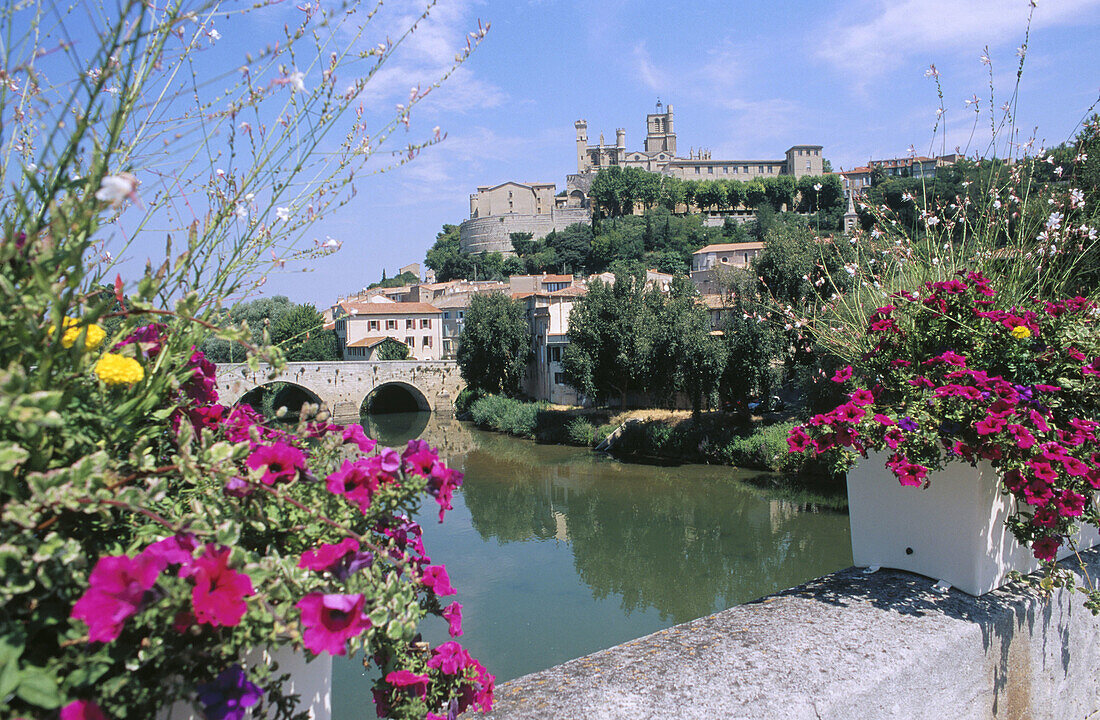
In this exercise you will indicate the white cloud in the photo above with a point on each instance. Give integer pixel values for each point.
(650, 75)
(889, 34)
(426, 54)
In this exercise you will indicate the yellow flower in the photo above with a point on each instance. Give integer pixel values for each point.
(1021, 332)
(92, 340)
(114, 369)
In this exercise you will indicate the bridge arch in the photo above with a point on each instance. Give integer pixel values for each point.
(271, 395)
(395, 396)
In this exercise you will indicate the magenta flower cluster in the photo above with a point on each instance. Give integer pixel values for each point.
(951, 376)
(329, 618)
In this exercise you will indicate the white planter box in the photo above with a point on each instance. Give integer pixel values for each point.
(953, 531)
(311, 680)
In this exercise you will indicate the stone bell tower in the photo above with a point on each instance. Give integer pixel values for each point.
(660, 134)
(582, 145)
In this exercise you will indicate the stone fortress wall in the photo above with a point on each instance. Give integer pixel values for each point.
(491, 233)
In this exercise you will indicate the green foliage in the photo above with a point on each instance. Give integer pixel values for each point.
(300, 333)
(446, 258)
(581, 432)
(495, 344)
(401, 280)
(506, 415)
(391, 349)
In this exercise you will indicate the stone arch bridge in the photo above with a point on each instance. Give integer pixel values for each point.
(343, 386)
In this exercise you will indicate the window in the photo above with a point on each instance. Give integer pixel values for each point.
(710, 169)
(410, 324)
(725, 260)
(807, 164)
(427, 341)
(559, 378)
(698, 170)
(411, 342)
(553, 354)
(745, 168)
(446, 315)
(461, 314)
(372, 324)
(425, 323)
(726, 170)
(391, 324)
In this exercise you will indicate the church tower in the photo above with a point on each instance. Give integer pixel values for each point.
(660, 134)
(582, 145)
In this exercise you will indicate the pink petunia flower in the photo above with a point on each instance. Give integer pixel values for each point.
(116, 590)
(406, 679)
(842, 374)
(354, 434)
(435, 579)
(862, 397)
(453, 615)
(82, 710)
(219, 591)
(281, 462)
(331, 620)
(450, 658)
(1046, 548)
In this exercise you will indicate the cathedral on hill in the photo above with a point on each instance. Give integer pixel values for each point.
(660, 155)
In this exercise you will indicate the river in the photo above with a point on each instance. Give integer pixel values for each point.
(557, 552)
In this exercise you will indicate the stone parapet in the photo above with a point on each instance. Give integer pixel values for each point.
(847, 646)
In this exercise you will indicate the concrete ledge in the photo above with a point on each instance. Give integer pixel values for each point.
(848, 645)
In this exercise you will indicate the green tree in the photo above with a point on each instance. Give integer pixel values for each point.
(391, 349)
(612, 332)
(691, 359)
(495, 345)
(446, 258)
(300, 333)
(572, 247)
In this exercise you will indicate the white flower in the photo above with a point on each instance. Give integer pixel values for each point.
(331, 242)
(985, 58)
(973, 100)
(1058, 171)
(297, 81)
(1054, 221)
(1077, 198)
(214, 35)
(245, 127)
(817, 187)
(932, 71)
(242, 212)
(116, 188)
(219, 172)
(282, 214)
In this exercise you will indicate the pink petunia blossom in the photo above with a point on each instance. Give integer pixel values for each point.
(842, 374)
(82, 710)
(219, 591)
(435, 579)
(450, 658)
(797, 440)
(1046, 548)
(116, 590)
(453, 615)
(354, 434)
(862, 397)
(406, 679)
(357, 481)
(279, 460)
(331, 620)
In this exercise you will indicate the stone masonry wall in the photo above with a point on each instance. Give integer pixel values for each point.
(848, 646)
(491, 234)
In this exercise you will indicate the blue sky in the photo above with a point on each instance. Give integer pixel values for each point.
(747, 80)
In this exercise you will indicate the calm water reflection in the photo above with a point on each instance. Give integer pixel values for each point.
(557, 552)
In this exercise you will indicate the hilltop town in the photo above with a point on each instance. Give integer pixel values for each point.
(513, 224)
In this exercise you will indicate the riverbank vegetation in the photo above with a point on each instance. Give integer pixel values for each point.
(654, 435)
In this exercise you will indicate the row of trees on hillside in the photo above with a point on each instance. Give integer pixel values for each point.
(296, 328)
(618, 191)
